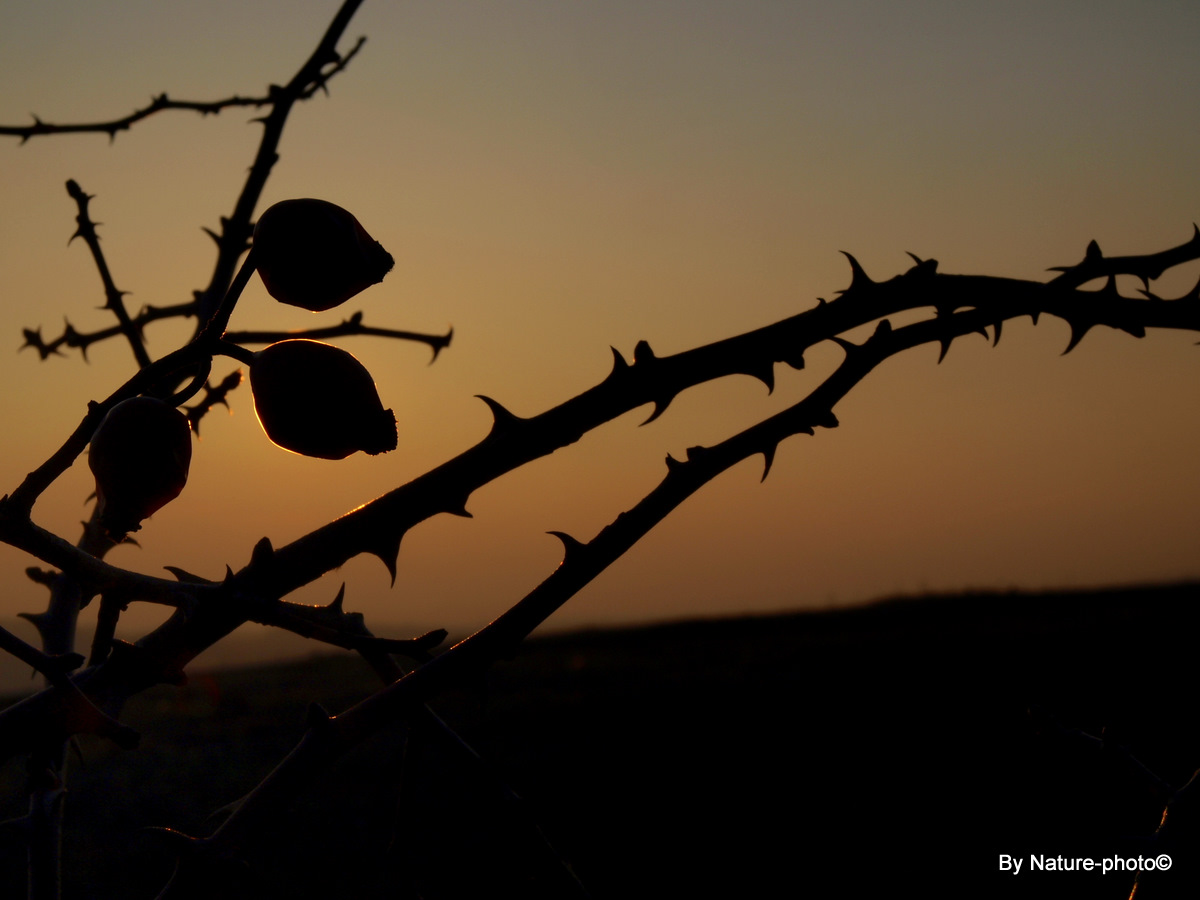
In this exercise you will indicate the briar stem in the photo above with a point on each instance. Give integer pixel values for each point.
(234, 351)
(220, 321)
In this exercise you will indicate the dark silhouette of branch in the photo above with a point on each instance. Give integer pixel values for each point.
(91, 699)
(232, 240)
(114, 298)
(212, 397)
(207, 611)
(329, 737)
(346, 328)
(52, 667)
(351, 327)
(81, 340)
(162, 102)
(378, 527)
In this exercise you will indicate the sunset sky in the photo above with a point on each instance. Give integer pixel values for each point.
(554, 178)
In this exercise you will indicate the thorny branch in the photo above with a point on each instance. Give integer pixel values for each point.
(352, 326)
(207, 610)
(162, 102)
(114, 298)
(42, 828)
(235, 230)
(329, 737)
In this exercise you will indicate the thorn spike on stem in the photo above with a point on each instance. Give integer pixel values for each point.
(336, 605)
(764, 373)
(1078, 330)
(858, 276)
(844, 344)
(768, 459)
(826, 419)
(996, 332)
(262, 552)
(672, 463)
(388, 552)
(945, 343)
(186, 577)
(642, 353)
(660, 407)
(501, 417)
(570, 545)
(619, 363)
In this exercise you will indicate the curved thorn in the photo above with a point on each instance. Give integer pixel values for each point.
(660, 407)
(502, 419)
(1078, 330)
(262, 552)
(764, 373)
(673, 464)
(768, 459)
(439, 347)
(845, 344)
(388, 553)
(336, 605)
(570, 544)
(858, 276)
(996, 331)
(619, 364)
(186, 577)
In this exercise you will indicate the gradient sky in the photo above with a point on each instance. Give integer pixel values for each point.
(554, 178)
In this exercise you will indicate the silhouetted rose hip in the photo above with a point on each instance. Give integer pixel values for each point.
(314, 254)
(140, 455)
(318, 400)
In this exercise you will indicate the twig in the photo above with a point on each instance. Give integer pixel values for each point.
(114, 298)
(346, 328)
(82, 340)
(328, 737)
(235, 232)
(212, 397)
(160, 103)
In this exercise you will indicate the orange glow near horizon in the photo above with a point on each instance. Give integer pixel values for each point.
(553, 180)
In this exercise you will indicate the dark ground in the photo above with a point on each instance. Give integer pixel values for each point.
(848, 754)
